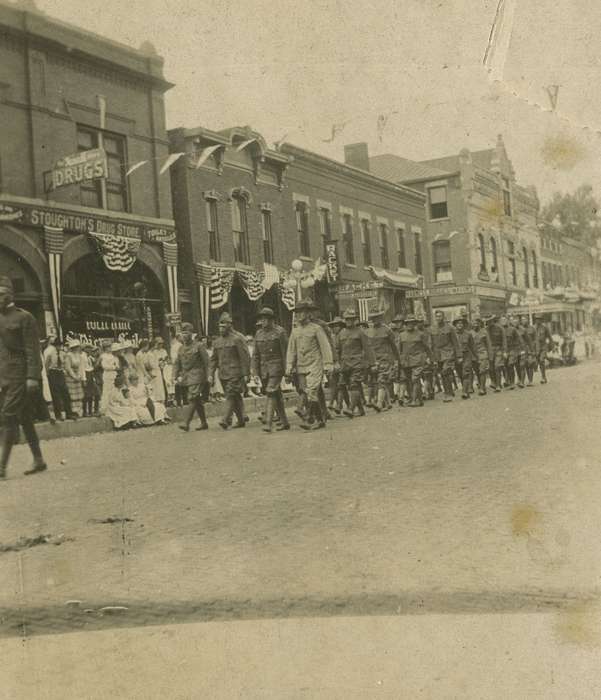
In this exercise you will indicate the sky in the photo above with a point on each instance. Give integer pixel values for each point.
(296, 68)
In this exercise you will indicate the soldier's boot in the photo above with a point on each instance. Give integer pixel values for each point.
(482, 383)
(34, 445)
(360, 403)
(530, 372)
(521, 376)
(239, 412)
(543, 373)
(10, 435)
(269, 410)
(230, 405)
(188, 415)
(466, 386)
(281, 409)
(200, 410)
(315, 419)
(416, 395)
(510, 374)
(323, 405)
(381, 400)
(448, 388)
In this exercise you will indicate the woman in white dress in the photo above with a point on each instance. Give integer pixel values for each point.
(155, 361)
(109, 363)
(120, 408)
(148, 412)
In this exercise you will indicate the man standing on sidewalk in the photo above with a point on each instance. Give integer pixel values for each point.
(356, 357)
(232, 359)
(20, 377)
(543, 342)
(55, 371)
(269, 364)
(498, 342)
(483, 351)
(309, 356)
(191, 371)
(446, 352)
(387, 358)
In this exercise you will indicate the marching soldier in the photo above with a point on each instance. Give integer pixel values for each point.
(309, 356)
(338, 390)
(498, 342)
(446, 352)
(530, 343)
(355, 356)
(483, 351)
(269, 364)
(515, 349)
(543, 342)
(522, 361)
(467, 355)
(387, 358)
(429, 369)
(232, 359)
(416, 354)
(326, 329)
(191, 370)
(20, 378)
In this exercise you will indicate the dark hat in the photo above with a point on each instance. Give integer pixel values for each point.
(336, 321)
(225, 318)
(350, 313)
(187, 327)
(305, 305)
(266, 312)
(410, 319)
(459, 319)
(6, 283)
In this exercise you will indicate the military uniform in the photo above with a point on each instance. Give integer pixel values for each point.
(232, 359)
(415, 356)
(269, 363)
(515, 347)
(338, 390)
(446, 352)
(522, 357)
(191, 370)
(543, 340)
(530, 343)
(498, 342)
(483, 351)
(467, 353)
(387, 359)
(356, 357)
(309, 356)
(429, 369)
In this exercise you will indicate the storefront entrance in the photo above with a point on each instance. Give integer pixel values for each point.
(100, 303)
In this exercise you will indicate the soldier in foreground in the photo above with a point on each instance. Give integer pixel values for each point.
(232, 359)
(309, 356)
(20, 378)
(269, 364)
(415, 356)
(530, 343)
(498, 342)
(483, 351)
(446, 352)
(543, 342)
(191, 369)
(467, 354)
(515, 349)
(387, 359)
(338, 391)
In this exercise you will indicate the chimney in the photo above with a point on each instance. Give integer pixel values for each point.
(357, 155)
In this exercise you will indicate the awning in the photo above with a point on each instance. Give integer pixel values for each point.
(401, 278)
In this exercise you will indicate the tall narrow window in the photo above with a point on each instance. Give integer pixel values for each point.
(267, 235)
(325, 225)
(482, 251)
(112, 192)
(493, 254)
(347, 237)
(212, 229)
(417, 252)
(512, 263)
(526, 268)
(365, 241)
(302, 227)
(438, 202)
(441, 255)
(383, 240)
(240, 230)
(506, 197)
(400, 237)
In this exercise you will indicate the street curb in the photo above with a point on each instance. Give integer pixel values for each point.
(90, 426)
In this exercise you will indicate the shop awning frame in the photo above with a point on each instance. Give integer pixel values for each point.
(402, 278)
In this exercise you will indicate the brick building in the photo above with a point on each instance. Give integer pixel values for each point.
(89, 248)
(248, 211)
(483, 246)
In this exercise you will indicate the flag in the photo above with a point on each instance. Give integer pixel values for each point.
(54, 249)
(287, 295)
(204, 154)
(252, 282)
(221, 284)
(364, 309)
(135, 167)
(271, 276)
(170, 161)
(118, 252)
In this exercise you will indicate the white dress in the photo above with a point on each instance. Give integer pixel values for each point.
(110, 365)
(139, 396)
(120, 408)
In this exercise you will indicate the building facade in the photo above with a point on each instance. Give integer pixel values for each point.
(483, 247)
(292, 222)
(90, 247)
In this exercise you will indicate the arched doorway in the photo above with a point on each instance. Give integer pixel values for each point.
(26, 285)
(98, 302)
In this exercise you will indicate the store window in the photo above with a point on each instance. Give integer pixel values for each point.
(365, 241)
(302, 227)
(438, 202)
(347, 238)
(267, 235)
(213, 229)
(441, 255)
(239, 206)
(112, 192)
(383, 241)
(400, 237)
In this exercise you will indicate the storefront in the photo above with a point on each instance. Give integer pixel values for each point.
(478, 299)
(87, 273)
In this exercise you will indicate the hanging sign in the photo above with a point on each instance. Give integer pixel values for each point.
(331, 254)
(77, 168)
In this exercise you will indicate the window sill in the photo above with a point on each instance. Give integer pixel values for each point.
(443, 218)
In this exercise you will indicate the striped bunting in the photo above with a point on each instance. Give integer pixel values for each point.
(252, 282)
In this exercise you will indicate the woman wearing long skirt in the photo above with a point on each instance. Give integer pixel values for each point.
(109, 364)
(148, 411)
(75, 375)
(120, 408)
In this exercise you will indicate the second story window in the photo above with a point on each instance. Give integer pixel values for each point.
(325, 224)
(526, 268)
(240, 229)
(383, 240)
(506, 197)
(493, 253)
(437, 197)
(417, 252)
(400, 233)
(347, 237)
(482, 251)
(212, 228)
(365, 241)
(302, 227)
(112, 192)
(512, 263)
(441, 255)
(267, 235)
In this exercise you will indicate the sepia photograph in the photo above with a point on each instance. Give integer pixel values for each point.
(304, 220)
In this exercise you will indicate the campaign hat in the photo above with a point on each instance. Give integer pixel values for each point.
(225, 318)
(336, 321)
(266, 312)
